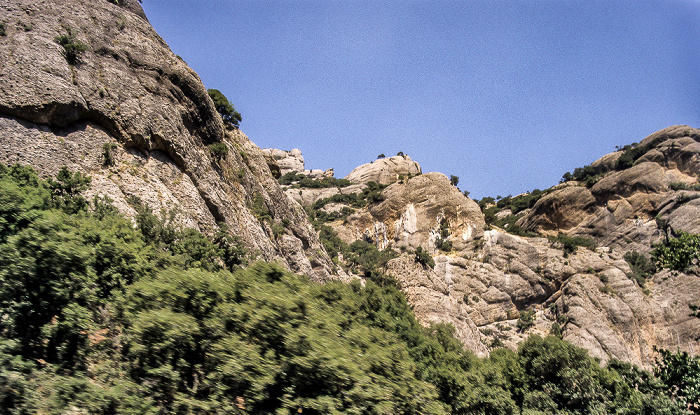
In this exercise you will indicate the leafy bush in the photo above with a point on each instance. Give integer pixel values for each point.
(441, 241)
(589, 175)
(678, 253)
(521, 202)
(424, 258)
(684, 186)
(680, 375)
(107, 153)
(642, 267)
(219, 150)
(569, 244)
(526, 320)
(72, 47)
(630, 154)
(371, 194)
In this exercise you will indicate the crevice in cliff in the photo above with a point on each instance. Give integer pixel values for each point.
(62, 117)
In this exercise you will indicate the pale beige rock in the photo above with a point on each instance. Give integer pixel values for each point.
(411, 216)
(288, 161)
(385, 171)
(620, 209)
(487, 287)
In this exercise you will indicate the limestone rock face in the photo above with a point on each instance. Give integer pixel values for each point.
(429, 294)
(288, 161)
(590, 294)
(130, 91)
(412, 215)
(385, 171)
(619, 210)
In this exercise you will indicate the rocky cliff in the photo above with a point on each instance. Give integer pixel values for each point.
(127, 111)
(620, 207)
(496, 288)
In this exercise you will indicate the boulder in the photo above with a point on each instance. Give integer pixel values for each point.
(385, 171)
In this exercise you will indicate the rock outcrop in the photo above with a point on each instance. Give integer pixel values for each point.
(133, 116)
(127, 94)
(385, 170)
(416, 212)
(590, 295)
(621, 208)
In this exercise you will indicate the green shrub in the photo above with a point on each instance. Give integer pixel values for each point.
(219, 150)
(679, 373)
(424, 258)
(3, 29)
(642, 267)
(569, 244)
(588, 175)
(630, 154)
(259, 208)
(526, 320)
(72, 47)
(678, 253)
(107, 154)
(228, 113)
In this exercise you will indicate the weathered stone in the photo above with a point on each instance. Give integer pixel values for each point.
(385, 171)
(129, 90)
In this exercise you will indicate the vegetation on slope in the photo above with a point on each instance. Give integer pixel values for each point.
(100, 316)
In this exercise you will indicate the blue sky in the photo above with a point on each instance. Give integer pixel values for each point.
(506, 95)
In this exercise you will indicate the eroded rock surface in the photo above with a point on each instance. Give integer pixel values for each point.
(589, 294)
(621, 208)
(127, 89)
(414, 213)
(385, 170)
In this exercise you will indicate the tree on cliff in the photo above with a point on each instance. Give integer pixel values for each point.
(225, 108)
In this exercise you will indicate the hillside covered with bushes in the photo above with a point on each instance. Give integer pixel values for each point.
(100, 316)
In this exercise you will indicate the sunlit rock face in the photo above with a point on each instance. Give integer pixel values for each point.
(621, 208)
(385, 170)
(128, 94)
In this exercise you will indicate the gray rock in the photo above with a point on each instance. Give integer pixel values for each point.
(130, 90)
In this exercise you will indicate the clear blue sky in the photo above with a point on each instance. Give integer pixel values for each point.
(506, 95)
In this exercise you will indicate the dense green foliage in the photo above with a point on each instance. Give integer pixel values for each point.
(630, 154)
(588, 175)
(490, 207)
(680, 253)
(228, 113)
(521, 202)
(319, 216)
(526, 320)
(218, 150)
(423, 257)
(684, 186)
(680, 374)
(100, 316)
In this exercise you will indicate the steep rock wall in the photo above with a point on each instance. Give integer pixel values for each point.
(129, 90)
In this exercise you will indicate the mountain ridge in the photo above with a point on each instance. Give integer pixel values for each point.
(132, 115)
